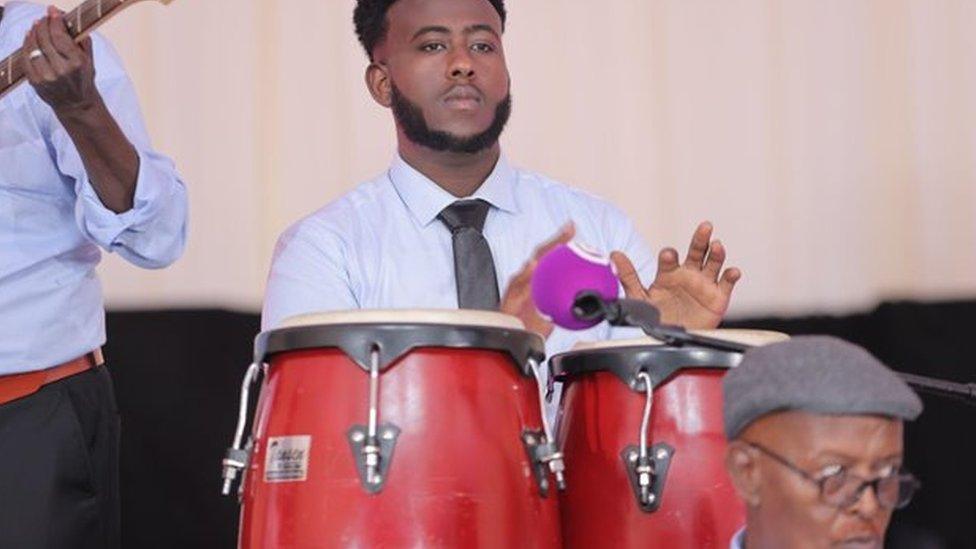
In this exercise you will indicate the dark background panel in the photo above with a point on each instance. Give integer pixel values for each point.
(177, 378)
(178, 375)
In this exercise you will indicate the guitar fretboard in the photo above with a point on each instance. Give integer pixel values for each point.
(80, 22)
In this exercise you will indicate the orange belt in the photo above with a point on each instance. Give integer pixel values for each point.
(16, 386)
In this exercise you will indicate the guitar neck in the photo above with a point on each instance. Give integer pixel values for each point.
(80, 22)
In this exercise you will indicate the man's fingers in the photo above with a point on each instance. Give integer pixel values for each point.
(698, 248)
(521, 282)
(86, 46)
(61, 40)
(667, 261)
(728, 280)
(51, 53)
(524, 277)
(41, 68)
(26, 62)
(565, 234)
(716, 258)
(517, 300)
(628, 276)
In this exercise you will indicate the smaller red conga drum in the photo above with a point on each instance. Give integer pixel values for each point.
(641, 432)
(397, 429)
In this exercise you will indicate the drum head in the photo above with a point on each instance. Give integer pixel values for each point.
(754, 338)
(460, 317)
(386, 335)
(626, 358)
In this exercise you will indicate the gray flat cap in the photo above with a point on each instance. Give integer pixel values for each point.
(818, 374)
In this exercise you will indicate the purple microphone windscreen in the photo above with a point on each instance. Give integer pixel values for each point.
(562, 274)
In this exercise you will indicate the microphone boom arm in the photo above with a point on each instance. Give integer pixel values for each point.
(640, 314)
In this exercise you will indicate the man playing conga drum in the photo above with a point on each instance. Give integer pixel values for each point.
(451, 222)
(451, 225)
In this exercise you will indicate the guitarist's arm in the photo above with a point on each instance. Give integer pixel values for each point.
(130, 199)
(64, 77)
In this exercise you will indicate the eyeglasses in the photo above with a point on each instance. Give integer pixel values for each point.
(843, 489)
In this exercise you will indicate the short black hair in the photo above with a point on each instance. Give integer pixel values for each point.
(371, 25)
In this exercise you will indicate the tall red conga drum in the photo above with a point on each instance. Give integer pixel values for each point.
(398, 429)
(674, 493)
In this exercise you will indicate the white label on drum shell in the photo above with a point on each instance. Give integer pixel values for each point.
(287, 458)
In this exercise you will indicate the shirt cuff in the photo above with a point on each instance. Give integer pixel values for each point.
(106, 226)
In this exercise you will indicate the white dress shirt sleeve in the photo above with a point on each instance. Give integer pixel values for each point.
(309, 273)
(152, 234)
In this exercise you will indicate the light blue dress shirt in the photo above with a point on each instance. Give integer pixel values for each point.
(381, 246)
(52, 222)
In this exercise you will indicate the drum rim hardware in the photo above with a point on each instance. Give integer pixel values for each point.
(394, 340)
(659, 362)
(647, 466)
(236, 459)
(372, 445)
(544, 457)
(382, 449)
(658, 463)
(544, 454)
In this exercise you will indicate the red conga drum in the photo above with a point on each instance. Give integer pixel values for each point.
(398, 429)
(674, 494)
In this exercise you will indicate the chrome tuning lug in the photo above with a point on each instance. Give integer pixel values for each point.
(237, 458)
(372, 445)
(647, 466)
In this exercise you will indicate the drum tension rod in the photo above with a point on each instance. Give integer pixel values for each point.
(237, 458)
(541, 445)
(646, 465)
(372, 445)
(371, 451)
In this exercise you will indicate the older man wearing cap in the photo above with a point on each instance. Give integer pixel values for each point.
(815, 444)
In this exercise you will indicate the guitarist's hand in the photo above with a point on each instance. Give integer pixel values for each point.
(63, 74)
(61, 71)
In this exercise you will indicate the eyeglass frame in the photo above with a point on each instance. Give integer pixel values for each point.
(902, 474)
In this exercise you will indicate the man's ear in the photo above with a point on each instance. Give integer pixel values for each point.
(743, 468)
(379, 84)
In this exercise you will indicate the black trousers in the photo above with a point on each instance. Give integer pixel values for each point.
(59, 466)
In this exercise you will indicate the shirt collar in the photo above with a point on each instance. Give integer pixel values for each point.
(425, 199)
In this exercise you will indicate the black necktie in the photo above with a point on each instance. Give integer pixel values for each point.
(474, 268)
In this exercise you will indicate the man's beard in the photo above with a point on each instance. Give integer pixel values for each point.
(411, 119)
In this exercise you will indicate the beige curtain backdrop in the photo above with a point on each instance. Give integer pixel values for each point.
(831, 141)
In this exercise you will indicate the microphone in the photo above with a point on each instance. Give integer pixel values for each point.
(565, 271)
(576, 288)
